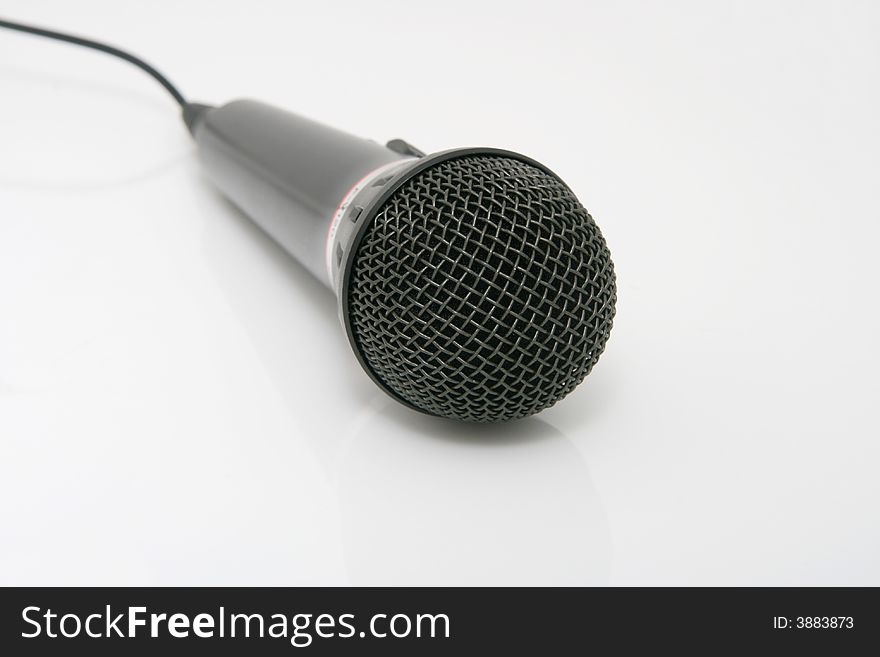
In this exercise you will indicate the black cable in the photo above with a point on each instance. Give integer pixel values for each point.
(103, 47)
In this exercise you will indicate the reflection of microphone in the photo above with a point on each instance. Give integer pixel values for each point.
(425, 505)
(472, 283)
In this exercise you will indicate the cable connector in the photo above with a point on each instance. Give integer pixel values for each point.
(193, 114)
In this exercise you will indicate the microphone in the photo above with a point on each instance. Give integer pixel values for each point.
(471, 283)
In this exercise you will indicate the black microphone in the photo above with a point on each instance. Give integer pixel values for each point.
(472, 284)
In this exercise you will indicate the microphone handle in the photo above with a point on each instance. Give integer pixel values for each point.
(290, 175)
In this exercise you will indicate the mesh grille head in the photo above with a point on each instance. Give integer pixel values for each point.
(482, 290)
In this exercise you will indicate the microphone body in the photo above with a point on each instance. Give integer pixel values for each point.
(471, 283)
(289, 174)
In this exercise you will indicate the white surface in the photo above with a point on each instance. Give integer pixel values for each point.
(178, 404)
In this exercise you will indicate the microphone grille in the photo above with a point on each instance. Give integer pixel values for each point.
(482, 290)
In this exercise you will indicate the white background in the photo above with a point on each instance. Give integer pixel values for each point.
(178, 404)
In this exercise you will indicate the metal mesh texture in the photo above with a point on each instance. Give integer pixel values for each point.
(482, 291)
